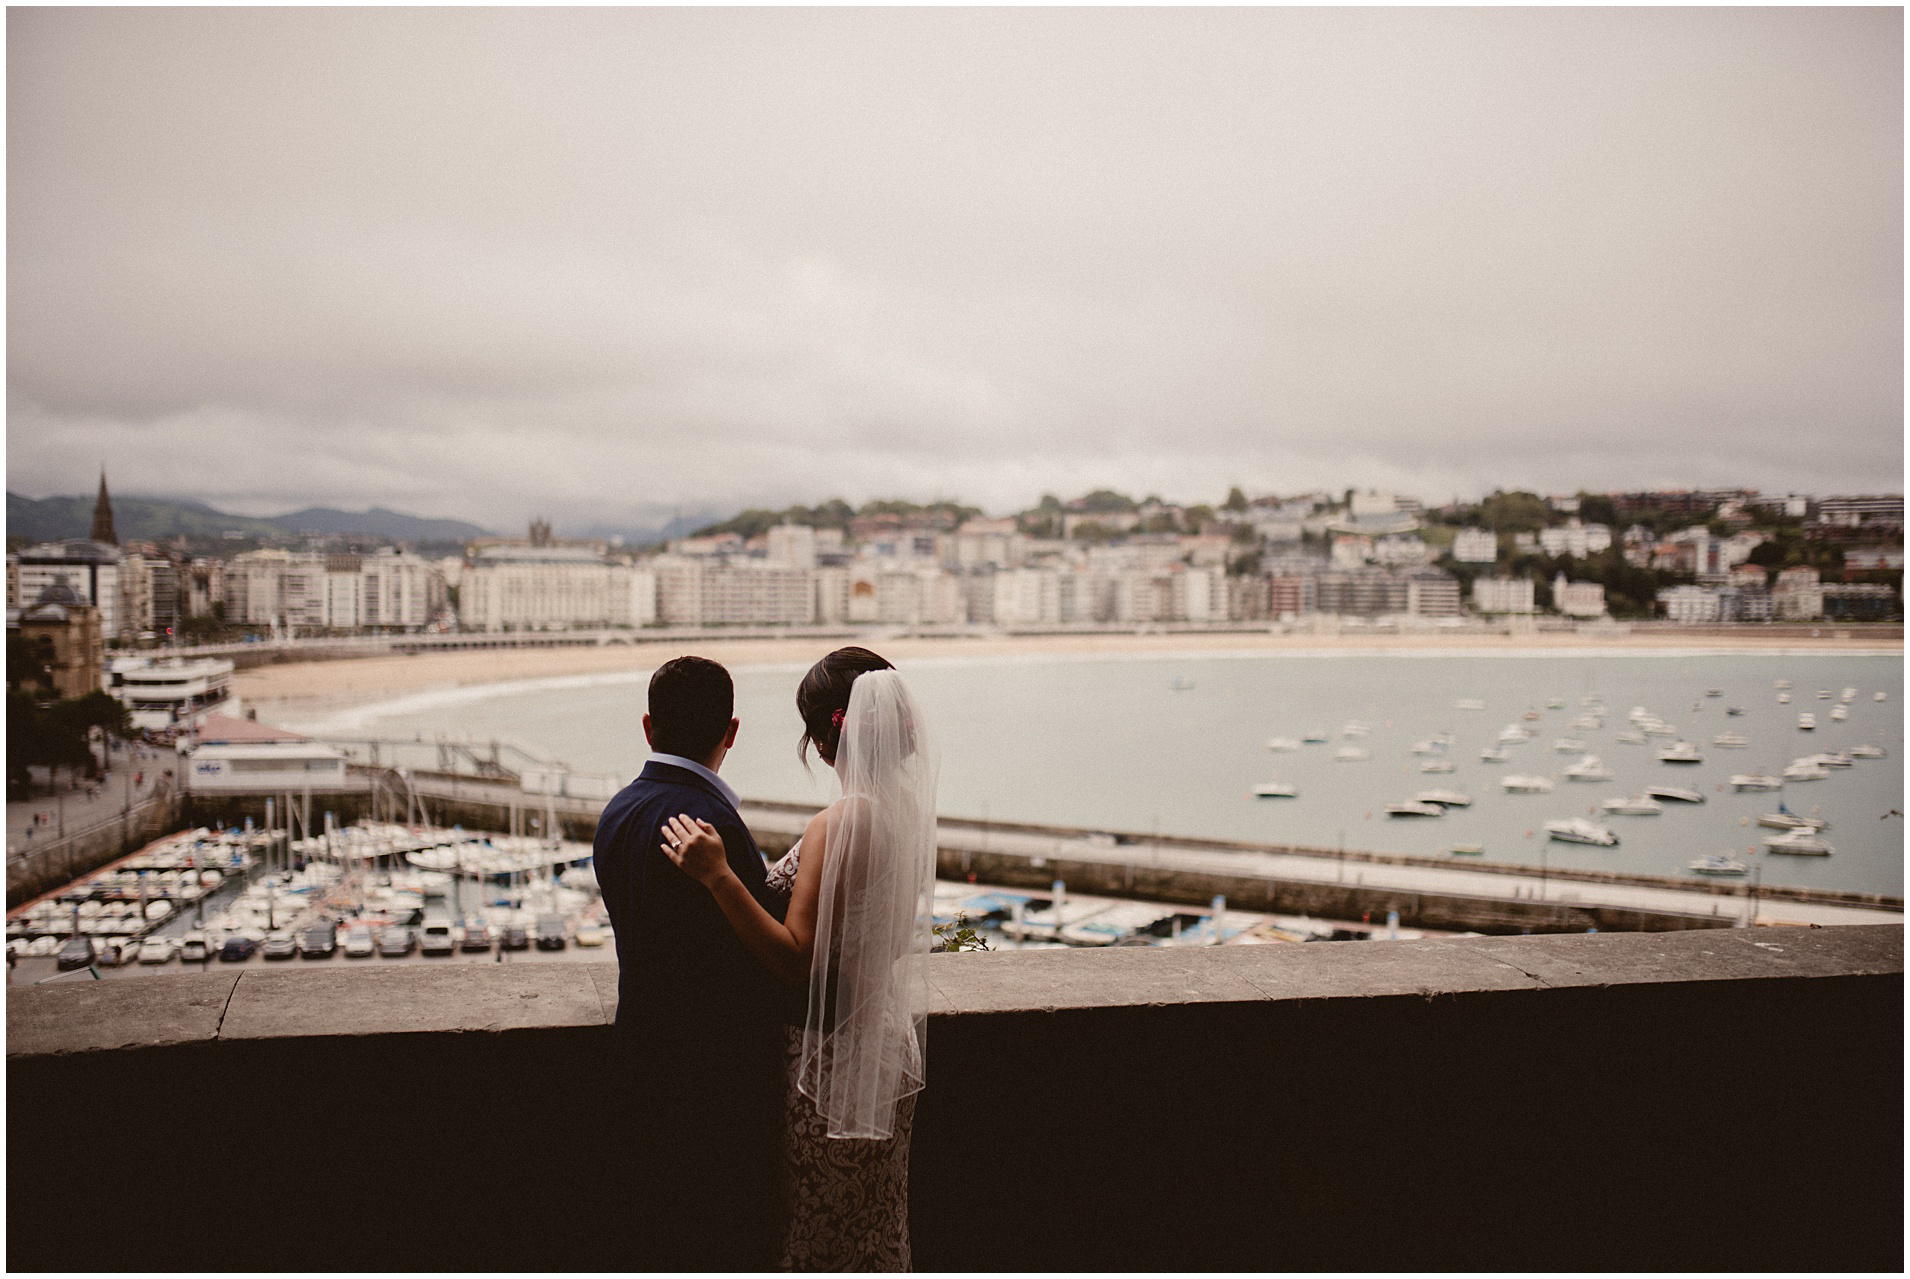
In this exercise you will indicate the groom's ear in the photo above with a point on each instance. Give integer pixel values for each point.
(729, 739)
(648, 738)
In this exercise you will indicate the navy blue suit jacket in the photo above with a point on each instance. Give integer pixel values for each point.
(696, 1083)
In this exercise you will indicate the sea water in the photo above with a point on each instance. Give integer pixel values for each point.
(1174, 744)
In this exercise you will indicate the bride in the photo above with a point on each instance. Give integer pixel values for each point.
(861, 885)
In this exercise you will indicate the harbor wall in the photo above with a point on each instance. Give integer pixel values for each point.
(33, 871)
(1657, 1101)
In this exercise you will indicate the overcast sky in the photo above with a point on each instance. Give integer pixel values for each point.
(596, 264)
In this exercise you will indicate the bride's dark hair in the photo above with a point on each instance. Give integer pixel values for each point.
(823, 698)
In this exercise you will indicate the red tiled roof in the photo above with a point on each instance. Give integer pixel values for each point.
(224, 730)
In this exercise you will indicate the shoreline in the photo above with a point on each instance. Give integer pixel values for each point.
(305, 690)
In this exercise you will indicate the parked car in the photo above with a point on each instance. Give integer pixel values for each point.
(279, 946)
(436, 938)
(193, 949)
(318, 942)
(76, 953)
(477, 936)
(395, 943)
(115, 951)
(550, 932)
(359, 943)
(237, 949)
(157, 950)
(590, 934)
(514, 937)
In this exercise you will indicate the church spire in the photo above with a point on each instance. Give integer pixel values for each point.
(103, 515)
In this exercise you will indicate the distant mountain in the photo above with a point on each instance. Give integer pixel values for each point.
(377, 522)
(643, 535)
(154, 520)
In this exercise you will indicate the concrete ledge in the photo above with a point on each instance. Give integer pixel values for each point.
(1544, 1102)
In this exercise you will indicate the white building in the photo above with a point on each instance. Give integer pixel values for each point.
(91, 569)
(534, 588)
(388, 590)
(1798, 596)
(905, 594)
(1027, 597)
(1576, 539)
(1689, 605)
(792, 546)
(1503, 595)
(1475, 546)
(1401, 550)
(986, 544)
(1351, 550)
(1578, 599)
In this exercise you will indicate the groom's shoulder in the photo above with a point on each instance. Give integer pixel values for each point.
(677, 787)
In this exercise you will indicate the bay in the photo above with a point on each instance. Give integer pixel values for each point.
(1175, 744)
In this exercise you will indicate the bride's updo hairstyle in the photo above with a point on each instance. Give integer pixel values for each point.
(823, 698)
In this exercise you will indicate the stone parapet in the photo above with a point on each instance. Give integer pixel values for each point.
(1546, 1102)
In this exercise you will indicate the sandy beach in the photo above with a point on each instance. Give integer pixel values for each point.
(300, 690)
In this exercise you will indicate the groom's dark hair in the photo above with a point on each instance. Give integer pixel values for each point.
(691, 702)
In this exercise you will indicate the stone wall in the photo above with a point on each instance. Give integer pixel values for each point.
(1698, 1100)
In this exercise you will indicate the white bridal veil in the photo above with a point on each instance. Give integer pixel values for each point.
(863, 1042)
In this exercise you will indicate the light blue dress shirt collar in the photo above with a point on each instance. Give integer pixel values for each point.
(722, 787)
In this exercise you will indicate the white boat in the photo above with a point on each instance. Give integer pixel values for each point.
(1467, 850)
(1783, 699)
(1731, 741)
(1350, 754)
(1839, 712)
(1353, 728)
(1413, 808)
(1660, 729)
(1444, 798)
(1283, 743)
(1785, 819)
(1438, 766)
(1181, 684)
(1493, 755)
(1848, 695)
(1588, 723)
(1714, 692)
(1680, 753)
(1630, 737)
(1468, 704)
(1829, 759)
(1823, 694)
(1633, 806)
(1807, 721)
(1314, 736)
(1756, 781)
(1719, 864)
(1589, 769)
(1879, 697)
(1526, 785)
(1780, 683)
(1532, 715)
(1576, 830)
(1804, 771)
(1865, 752)
(1569, 746)
(1512, 734)
(1116, 924)
(1801, 842)
(1276, 790)
(1679, 794)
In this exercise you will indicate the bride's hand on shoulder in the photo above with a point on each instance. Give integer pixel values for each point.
(696, 848)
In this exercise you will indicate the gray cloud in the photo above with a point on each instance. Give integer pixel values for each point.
(490, 263)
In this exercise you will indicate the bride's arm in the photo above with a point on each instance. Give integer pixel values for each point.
(783, 948)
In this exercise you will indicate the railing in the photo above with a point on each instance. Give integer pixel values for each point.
(36, 868)
(1707, 1101)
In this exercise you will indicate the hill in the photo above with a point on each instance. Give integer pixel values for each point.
(154, 519)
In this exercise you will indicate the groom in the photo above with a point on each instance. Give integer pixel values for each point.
(696, 1085)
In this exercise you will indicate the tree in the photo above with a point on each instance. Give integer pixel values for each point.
(1236, 500)
(1104, 501)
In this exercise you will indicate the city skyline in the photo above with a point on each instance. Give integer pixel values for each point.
(472, 263)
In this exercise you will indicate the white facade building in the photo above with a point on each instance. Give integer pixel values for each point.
(91, 569)
(1689, 605)
(533, 588)
(1576, 539)
(1475, 546)
(1578, 599)
(792, 546)
(1503, 595)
